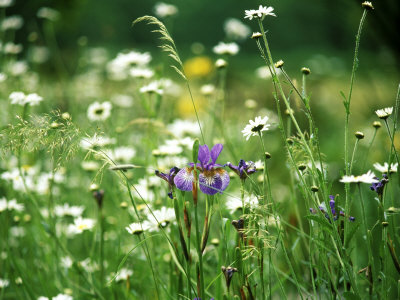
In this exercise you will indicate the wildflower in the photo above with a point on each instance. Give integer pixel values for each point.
(80, 225)
(332, 207)
(380, 185)
(10, 205)
(123, 274)
(367, 5)
(385, 168)
(212, 178)
(11, 48)
(122, 100)
(169, 178)
(265, 73)
(141, 73)
(235, 203)
(207, 89)
(62, 297)
(160, 218)
(163, 10)
(243, 169)
(250, 103)
(99, 111)
(279, 64)
(20, 98)
(152, 87)
(66, 262)
(228, 273)
(255, 127)
(256, 35)
(6, 3)
(359, 135)
(305, 71)
(236, 30)
(96, 141)
(221, 63)
(226, 48)
(377, 125)
(259, 13)
(124, 154)
(48, 13)
(137, 228)
(368, 177)
(67, 210)
(384, 113)
(4, 282)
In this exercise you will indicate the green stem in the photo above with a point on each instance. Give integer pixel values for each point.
(354, 153)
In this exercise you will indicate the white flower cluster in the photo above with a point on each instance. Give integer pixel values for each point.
(99, 111)
(67, 210)
(385, 168)
(235, 203)
(10, 205)
(20, 98)
(259, 13)
(121, 66)
(159, 218)
(368, 177)
(12, 23)
(163, 10)
(226, 48)
(236, 30)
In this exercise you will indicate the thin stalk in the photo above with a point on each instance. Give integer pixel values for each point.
(353, 155)
(195, 110)
(347, 118)
(101, 258)
(392, 148)
(367, 234)
(369, 147)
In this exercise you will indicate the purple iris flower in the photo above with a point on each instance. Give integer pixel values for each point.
(169, 178)
(380, 186)
(333, 210)
(212, 177)
(243, 169)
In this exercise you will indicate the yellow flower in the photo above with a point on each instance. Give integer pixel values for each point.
(199, 66)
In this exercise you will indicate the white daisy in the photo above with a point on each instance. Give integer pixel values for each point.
(152, 87)
(99, 111)
(368, 177)
(67, 210)
(256, 127)
(384, 113)
(62, 297)
(123, 274)
(6, 3)
(226, 48)
(48, 13)
(163, 10)
(207, 89)
(259, 13)
(4, 283)
(385, 168)
(141, 73)
(162, 217)
(80, 225)
(136, 228)
(96, 141)
(122, 100)
(236, 30)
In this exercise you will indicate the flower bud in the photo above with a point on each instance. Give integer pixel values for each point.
(367, 5)
(385, 224)
(305, 71)
(256, 35)
(123, 205)
(359, 135)
(314, 188)
(221, 63)
(302, 167)
(279, 64)
(267, 155)
(377, 124)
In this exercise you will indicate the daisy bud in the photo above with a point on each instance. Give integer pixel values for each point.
(279, 64)
(16, 219)
(256, 35)
(359, 135)
(18, 280)
(215, 242)
(288, 111)
(267, 155)
(289, 141)
(93, 187)
(385, 224)
(367, 5)
(305, 71)
(302, 167)
(314, 188)
(123, 205)
(221, 63)
(391, 209)
(250, 103)
(377, 124)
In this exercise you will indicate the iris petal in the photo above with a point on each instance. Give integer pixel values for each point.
(210, 183)
(184, 179)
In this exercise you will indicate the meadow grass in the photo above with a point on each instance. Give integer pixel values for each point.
(127, 180)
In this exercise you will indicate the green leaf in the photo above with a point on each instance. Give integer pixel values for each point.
(195, 152)
(351, 296)
(351, 233)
